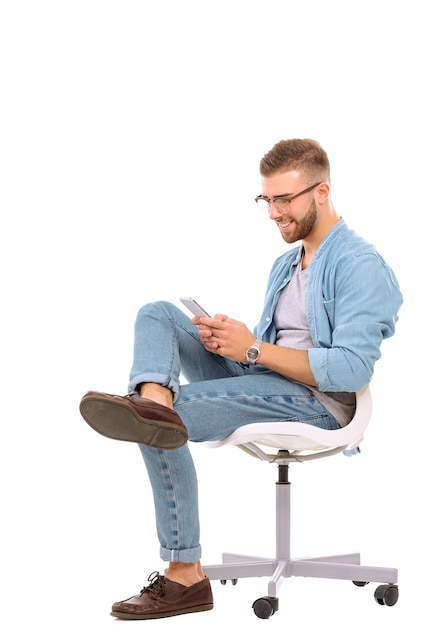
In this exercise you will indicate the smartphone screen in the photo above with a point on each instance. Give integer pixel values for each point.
(194, 307)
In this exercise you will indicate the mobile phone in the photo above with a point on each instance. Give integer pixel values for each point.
(194, 307)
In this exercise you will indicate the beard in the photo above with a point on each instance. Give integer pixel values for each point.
(303, 227)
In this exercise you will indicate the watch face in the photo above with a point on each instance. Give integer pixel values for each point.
(252, 353)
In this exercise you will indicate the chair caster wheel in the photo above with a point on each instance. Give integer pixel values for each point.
(234, 581)
(386, 595)
(359, 583)
(265, 607)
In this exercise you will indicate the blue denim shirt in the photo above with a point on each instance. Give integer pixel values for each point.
(353, 300)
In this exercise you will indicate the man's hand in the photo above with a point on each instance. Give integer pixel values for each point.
(222, 335)
(225, 336)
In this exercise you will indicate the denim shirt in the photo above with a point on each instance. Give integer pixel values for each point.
(353, 299)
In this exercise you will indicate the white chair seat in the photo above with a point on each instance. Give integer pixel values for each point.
(302, 439)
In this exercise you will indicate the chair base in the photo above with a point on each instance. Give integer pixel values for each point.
(337, 567)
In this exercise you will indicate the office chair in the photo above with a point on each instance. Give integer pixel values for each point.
(298, 442)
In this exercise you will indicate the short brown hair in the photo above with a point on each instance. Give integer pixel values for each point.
(303, 155)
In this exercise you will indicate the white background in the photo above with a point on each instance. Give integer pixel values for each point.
(131, 134)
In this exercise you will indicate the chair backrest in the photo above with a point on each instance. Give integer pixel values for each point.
(302, 440)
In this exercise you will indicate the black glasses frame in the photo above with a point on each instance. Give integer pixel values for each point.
(283, 199)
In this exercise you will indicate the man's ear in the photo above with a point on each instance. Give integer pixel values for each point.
(323, 191)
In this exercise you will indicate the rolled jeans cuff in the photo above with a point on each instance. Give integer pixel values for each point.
(153, 378)
(189, 555)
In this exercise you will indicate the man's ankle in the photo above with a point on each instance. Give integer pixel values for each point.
(157, 393)
(186, 574)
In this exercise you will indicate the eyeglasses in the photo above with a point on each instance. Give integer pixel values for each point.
(280, 202)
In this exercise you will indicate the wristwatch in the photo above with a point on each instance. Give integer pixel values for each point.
(253, 352)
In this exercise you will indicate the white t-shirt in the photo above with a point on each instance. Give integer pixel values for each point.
(292, 326)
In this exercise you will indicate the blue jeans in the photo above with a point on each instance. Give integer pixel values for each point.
(221, 396)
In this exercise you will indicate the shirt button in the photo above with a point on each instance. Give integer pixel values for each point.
(268, 319)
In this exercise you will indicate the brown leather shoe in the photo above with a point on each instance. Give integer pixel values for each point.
(133, 419)
(164, 598)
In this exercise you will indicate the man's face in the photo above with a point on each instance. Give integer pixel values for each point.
(296, 219)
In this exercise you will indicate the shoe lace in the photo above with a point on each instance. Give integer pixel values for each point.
(156, 587)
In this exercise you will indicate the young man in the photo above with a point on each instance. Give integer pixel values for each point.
(330, 302)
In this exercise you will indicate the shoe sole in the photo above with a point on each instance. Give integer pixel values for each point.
(190, 609)
(115, 421)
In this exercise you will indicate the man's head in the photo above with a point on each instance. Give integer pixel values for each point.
(296, 190)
